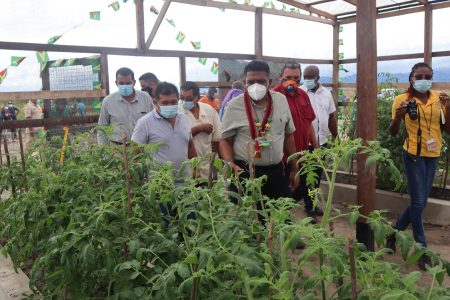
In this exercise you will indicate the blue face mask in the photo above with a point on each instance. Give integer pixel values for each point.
(422, 86)
(125, 89)
(309, 83)
(169, 111)
(187, 105)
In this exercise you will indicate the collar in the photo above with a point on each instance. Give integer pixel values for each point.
(434, 98)
(135, 99)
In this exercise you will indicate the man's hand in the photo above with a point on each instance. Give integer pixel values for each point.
(401, 111)
(235, 168)
(208, 128)
(293, 183)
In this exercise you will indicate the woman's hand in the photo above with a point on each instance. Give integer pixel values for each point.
(445, 100)
(401, 111)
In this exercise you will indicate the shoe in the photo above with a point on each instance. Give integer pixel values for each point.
(313, 215)
(391, 243)
(423, 261)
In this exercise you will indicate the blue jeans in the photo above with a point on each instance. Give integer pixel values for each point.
(420, 175)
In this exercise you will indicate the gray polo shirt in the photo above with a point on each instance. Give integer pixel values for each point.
(153, 128)
(235, 124)
(122, 114)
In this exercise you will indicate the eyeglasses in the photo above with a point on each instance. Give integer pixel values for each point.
(422, 77)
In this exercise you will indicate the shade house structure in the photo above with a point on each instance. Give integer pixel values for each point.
(177, 36)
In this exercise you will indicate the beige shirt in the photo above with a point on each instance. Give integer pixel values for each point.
(32, 111)
(122, 115)
(203, 140)
(235, 124)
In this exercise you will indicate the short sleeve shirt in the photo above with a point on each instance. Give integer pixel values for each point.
(153, 129)
(235, 124)
(323, 105)
(32, 111)
(430, 124)
(203, 140)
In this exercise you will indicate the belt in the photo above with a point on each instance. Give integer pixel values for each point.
(244, 164)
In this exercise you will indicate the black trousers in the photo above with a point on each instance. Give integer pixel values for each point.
(302, 192)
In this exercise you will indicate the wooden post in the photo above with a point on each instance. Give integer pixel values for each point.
(182, 70)
(335, 64)
(428, 35)
(105, 72)
(258, 33)
(22, 158)
(140, 27)
(366, 43)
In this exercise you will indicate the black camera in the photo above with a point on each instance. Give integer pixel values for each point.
(412, 110)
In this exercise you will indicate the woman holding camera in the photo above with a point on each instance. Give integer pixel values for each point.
(424, 113)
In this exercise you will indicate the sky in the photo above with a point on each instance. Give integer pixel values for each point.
(230, 31)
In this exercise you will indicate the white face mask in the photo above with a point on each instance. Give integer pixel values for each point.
(257, 91)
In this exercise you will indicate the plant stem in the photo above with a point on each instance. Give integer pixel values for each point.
(431, 287)
(127, 174)
(351, 254)
(322, 281)
(22, 158)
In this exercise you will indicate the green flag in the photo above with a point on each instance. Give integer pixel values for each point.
(222, 9)
(124, 1)
(171, 22)
(202, 60)
(53, 39)
(284, 7)
(115, 5)
(180, 37)
(266, 4)
(97, 85)
(57, 63)
(69, 62)
(341, 55)
(97, 104)
(154, 10)
(341, 28)
(341, 42)
(96, 67)
(3, 74)
(215, 68)
(340, 92)
(196, 45)
(248, 2)
(42, 56)
(94, 15)
(292, 9)
(43, 65)
(17, 60)
(272, 5)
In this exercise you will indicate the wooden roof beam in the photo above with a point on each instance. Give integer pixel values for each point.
(158, 21)
(354, 2)
(319, 2)
(309, 9)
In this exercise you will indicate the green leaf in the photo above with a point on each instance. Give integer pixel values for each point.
(414, 257)
(354, 215)
(191, 259)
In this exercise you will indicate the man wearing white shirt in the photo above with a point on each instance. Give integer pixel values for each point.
(322, 103)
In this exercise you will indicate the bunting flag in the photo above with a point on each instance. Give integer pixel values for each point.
(341, 28)
(43, 65)
(248, 2)
(340, 92)
(94, 15)
(284, 7)
(341, 42)
(292, 9)
(202, 60)
(180, 37)
(42, 57)
(17, 60)
(272, 5)
(196, 45)
(341, 55)
(97, 104)
(341, 68)
(266, 4)
(53, 39)
(3, 75)
(97, 85)
(234, 2)
(57, 63)
(96, 67)
(115, 5)
(215, 68)
(154, 10)
(124, 1)
(171, 22)
(340, 80)
(69, 62)
(222, 9)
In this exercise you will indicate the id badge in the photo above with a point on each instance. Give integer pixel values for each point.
(431, 144)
